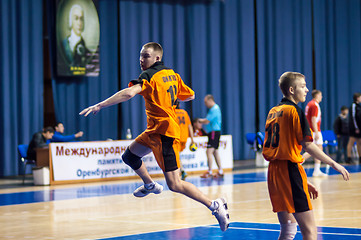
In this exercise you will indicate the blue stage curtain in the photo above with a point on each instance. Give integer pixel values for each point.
(210, 45)
(284, 44)
(72, 94)
(338, 54)
(21, 73)
(222, 64)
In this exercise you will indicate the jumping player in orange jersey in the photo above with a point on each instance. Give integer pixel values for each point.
(161, 88)
(186, 130)
(287, 133)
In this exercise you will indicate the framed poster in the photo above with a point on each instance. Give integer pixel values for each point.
(77, 38)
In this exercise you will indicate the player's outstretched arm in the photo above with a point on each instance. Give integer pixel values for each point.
(121, 96)
(203, 120)
(315, 152)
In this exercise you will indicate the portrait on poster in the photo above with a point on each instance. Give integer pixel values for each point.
(77, 36)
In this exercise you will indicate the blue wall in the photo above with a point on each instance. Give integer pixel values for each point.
(218, 47)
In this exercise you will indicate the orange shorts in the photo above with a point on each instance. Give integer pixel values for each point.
(287, 187)
(182, 146)
(165, 149)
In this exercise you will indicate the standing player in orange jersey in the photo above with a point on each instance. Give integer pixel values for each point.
(161, 88)
(287, 133)
(186, 130)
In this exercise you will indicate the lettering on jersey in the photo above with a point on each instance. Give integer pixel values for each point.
(181, 120)
(274, 115)
(169, 78)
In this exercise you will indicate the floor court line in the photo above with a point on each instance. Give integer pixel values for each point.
(239, 230)
(128, 188)
(97, 217)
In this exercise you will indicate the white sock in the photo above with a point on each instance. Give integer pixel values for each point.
(149, 185)
(214, 206)
(317, 167)
(220, 171)
(210, 172)
(288, 231)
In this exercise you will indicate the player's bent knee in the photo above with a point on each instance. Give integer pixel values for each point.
(172, 187)
(131, 159)
(175, 186)
(288, 231)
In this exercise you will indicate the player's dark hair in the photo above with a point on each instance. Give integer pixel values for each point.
(48, 129)
(288, 80)
(356, 96)
(343, 108)
(195, 120)
(315, 92)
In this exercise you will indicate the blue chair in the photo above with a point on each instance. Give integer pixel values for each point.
(329, 139)
(23, 152)
(255, 140)
(260, 140)
(250, 138)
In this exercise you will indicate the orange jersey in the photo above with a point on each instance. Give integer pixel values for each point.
(286, 128)
(184, 122)
(161, 87)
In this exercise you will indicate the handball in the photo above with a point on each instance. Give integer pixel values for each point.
(193, 147)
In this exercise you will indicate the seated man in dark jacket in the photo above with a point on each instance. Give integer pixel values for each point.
(39, 140)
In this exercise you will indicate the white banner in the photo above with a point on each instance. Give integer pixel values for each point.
(96, 160)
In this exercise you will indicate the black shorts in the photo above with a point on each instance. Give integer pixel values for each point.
(354, 134)
(165, 149)
(213, 139)
(352, 131)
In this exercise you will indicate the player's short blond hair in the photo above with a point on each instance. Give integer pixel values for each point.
(288, 80)
(155, 46)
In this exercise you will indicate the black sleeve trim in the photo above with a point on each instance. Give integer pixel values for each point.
(137, 81)
(304, 123)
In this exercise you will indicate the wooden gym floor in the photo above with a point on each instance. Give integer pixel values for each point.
(108, 210)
